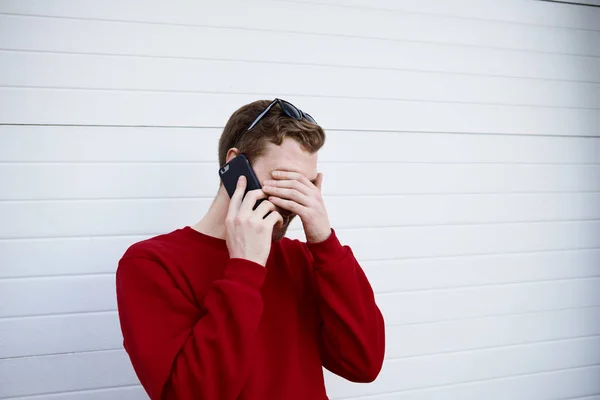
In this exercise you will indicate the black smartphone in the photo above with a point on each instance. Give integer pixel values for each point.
(231, 172)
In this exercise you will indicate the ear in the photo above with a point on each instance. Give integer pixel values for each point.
(231, 153)
(319, 180)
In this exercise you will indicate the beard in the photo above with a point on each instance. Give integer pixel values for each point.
(280, 230)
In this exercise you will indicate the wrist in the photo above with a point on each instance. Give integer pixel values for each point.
(252, 259)
(319, 237)
(329, 250)
(246, 271)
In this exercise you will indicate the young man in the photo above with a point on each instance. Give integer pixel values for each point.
(229, 308)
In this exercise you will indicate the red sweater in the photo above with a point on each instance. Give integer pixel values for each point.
(200, 325)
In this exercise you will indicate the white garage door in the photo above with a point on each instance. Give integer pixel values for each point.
(462, 166)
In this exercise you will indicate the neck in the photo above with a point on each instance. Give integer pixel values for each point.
(213, 222)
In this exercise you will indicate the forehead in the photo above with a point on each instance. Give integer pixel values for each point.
(290, 156)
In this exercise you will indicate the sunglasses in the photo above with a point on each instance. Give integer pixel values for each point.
(288, 109)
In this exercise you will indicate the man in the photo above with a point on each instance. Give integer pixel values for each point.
(229, 308)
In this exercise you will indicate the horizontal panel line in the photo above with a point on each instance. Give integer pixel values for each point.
(481, 285)
(484, 317)
(343, 195)
(372, 396)
(487, 316)
(559, 27)
(437, 321)
(301, 63)
(470, 350)
(133, 126)
(65, 125)
(362, 261)
(316, 96)
(379, 293)
(214, 162)
(586, 397)
(474, 255)
(458, 133)
(58, 314)
(367, 196)
(74, 391)
(346, 228)
(470, 382)
(496, 347)
(58, 276)
(66, 353)
(573, 3)
(304, 33)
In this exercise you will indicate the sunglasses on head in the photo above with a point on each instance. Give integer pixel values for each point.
(288, 109)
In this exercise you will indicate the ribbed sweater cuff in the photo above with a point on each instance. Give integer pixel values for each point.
(327, 251)
(243, 270)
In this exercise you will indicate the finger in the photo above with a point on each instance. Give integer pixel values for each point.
(291, 194)
(250, 200)
(263, 209)
(319, 181)
(290, 184)
(289, 205)
(273, 219)
(294, 176)
(236, 199)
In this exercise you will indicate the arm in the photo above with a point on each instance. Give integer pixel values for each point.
(352, 337)
(177, 351)
(352, 340)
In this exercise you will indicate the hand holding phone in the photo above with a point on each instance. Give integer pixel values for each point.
(249, 228)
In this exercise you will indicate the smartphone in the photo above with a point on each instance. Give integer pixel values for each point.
(231, 172)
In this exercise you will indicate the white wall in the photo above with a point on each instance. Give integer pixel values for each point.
(462, 165)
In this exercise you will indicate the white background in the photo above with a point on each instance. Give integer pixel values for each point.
(462, 166)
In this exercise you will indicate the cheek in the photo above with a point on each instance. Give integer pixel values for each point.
(261, 173)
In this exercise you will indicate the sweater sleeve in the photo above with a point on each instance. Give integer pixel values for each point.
(178, 351)
(352, 333)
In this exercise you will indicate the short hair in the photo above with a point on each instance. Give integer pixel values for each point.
(272, 128)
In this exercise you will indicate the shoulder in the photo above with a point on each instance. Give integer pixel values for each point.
(147, 247)
(151, 249)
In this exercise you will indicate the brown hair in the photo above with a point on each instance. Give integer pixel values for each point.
(273, 128)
